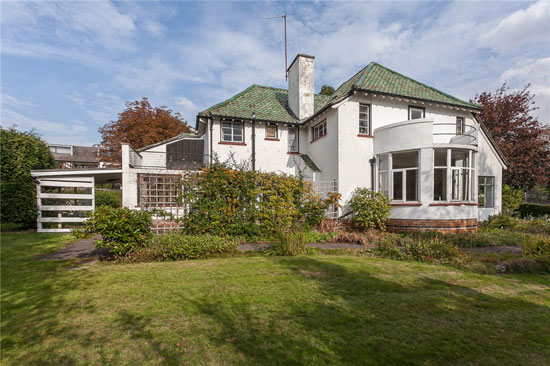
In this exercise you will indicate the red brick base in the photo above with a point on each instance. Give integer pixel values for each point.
(443, 226)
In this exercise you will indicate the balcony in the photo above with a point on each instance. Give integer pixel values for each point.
(167, 160)
(422, 133)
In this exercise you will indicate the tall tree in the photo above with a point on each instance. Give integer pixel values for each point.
(20, 153)
(327, 90)
(139, 125)
(521, 137)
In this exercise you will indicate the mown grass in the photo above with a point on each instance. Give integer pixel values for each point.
(264, 310)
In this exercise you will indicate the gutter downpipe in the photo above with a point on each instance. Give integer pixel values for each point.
(211, 138)
(253, 145)
(372, 176)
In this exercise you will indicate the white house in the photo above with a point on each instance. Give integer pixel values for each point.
(427, 150)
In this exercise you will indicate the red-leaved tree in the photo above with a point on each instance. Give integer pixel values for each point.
(139, 125)
(520, 136)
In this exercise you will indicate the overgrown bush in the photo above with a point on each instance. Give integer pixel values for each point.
(20, 153)
(369, 209)
(289, 243)
(387, 248)
(533, 210)
(227, 202)
(436, 249)
(536, 246)
(512, 198)
(122, 230)
(108, 198)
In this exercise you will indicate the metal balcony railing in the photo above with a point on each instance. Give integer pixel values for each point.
(468, 136)
(168, 160)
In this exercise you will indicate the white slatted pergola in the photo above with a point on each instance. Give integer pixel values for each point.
(64, 197)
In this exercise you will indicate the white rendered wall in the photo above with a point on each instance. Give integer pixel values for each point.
(324, 151)
(489, 165)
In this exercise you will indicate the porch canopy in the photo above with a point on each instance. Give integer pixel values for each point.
(65, 196)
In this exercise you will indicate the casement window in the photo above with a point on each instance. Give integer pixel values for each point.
(61, 149)
(486, 192)
(364, 119)
(293, 139)
(454, 172)
(271, 131)
(398, 175)
(319, 130)
(232, 131)
(416, 112)
(460, 126)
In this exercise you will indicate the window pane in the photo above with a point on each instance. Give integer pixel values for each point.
(383, 182)
(271, 131)
(440, 184)
(464, 194)
(398, 186)
(459, 158)
(455, 184)
(440, 157)
(416, 113)
(292, 139)
(383, 162)
(460, 128)
(411, 191)
(405, 160)
(490, 196)
(481, 195)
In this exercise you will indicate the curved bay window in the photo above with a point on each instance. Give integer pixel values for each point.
(454, 171)
(398, 175)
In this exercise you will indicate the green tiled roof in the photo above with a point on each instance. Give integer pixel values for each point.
(310, 163)
(264, 102)
(377, 78)
(271, 104)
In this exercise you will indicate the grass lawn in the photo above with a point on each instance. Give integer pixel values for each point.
(264, 310)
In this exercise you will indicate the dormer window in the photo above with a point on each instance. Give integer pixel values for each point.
(416, 112)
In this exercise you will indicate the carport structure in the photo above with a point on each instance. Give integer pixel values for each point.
(64, 197)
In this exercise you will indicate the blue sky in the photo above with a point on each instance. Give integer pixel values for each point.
(67, 68)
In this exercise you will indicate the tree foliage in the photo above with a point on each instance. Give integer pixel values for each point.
(327, 90)
(521, 137)
(20, 153)
(139, 125)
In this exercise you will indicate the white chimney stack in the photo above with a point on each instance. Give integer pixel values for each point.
(300, 86)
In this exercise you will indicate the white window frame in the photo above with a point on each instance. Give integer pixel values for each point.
(319, 130)
(411, 108)
(390, 171)
(271, 125)
(290, 146)
(449, 178)
(460, 126)
(231, 124)
(485, 185)
(365, 125)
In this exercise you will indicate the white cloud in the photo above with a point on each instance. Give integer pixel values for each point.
(524, 26)
(537, 73)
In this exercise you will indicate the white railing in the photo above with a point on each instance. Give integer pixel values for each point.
(323, 188)
(447, 133)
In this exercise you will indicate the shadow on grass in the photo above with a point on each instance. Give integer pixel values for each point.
(362, 319)
(33, 298)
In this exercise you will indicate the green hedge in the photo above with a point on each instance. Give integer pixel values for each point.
(533, 210)
(176, 245)
(108, 198)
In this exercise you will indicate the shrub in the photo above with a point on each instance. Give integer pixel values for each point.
(177, 245)
(20, 152)
(122, 230)
(435, 249)
(108, 198)
(533, 210)
(527, 265)
(386, 248)
(536, 246)
(512, 198)
(500, 222)
(290, 243)
(227, 202)
(369, 209)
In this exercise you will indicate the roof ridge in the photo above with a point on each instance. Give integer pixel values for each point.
(421, 83)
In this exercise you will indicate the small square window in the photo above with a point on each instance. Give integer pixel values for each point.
(416, 112)
(271, 131)
(319, 130)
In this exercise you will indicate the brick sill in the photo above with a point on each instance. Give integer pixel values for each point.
(454, 204)
(405, 203)
(317, 139)
(363, 135)
(293, 153)
(231, 143)
(271, 139)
